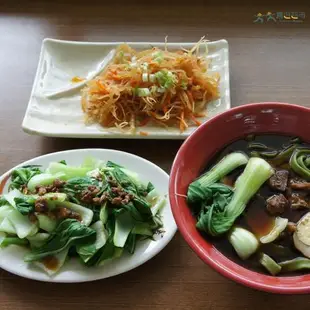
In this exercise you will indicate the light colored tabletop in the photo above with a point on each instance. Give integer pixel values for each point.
(268, 62)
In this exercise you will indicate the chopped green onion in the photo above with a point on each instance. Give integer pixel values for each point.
(270, 264)
(279, 226)
(143, 92)
(184, 85)
(145, 77)
(152, 78)
(243, 241)
(144, 66)
(158, 56)
(166, 78)
(161, 89)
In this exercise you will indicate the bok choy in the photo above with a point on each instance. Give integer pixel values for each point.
(221, 205)
(94, 212)
(197, 190)
(243, 241)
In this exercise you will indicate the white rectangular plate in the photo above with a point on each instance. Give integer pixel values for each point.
(61, 60)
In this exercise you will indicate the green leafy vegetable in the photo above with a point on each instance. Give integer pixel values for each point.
(300, 162)
(197, 189)
(123, 226)
(243, 241)
(38, 239)
(21, 176)
(299, 263)
(217, 217)
(150, 187)
(7, 227)
(130, 244)
(217, 197)
(22, 224)
(85, 213)
(270, 264)
(46, 223)
(3, 201)
(111, 164)
(125, 211)
(86, 251)
(144, 229)
(68, 233)
(13, 240)
(60, 258)
(68, 171)
(44, 179)
(25, 205)
(104, 213)
(75, 186)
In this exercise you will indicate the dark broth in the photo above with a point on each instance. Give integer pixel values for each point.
(255, 217)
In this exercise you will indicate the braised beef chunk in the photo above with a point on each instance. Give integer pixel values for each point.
(279, 180)
(298, 202)
(276, 204)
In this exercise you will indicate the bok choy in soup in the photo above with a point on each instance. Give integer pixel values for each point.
(253, 203)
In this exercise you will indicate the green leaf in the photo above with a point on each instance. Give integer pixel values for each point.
(111, 164)
(25, 205)
(13, 240)
(43, 179)
(197, 189)
(69, 171)
(130, 244)
(79, 184)
(86, 251)
(63, 162)
(124, 180)
(3, 201)
(222, 206)
(21, 176)
(144, 229)
(123, 226)
(68, 233)
(211, 219)
(149, 187)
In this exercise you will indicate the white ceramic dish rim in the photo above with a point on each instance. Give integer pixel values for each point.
(118, 135)
(162, 243)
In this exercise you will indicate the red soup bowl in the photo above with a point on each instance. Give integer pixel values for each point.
(193, 157)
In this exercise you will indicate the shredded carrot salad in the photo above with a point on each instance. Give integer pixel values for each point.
(153, 86)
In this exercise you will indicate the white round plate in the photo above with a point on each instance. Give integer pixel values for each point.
(11, 258)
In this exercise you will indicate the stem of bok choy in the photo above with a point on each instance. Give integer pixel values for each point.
(243, 241)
